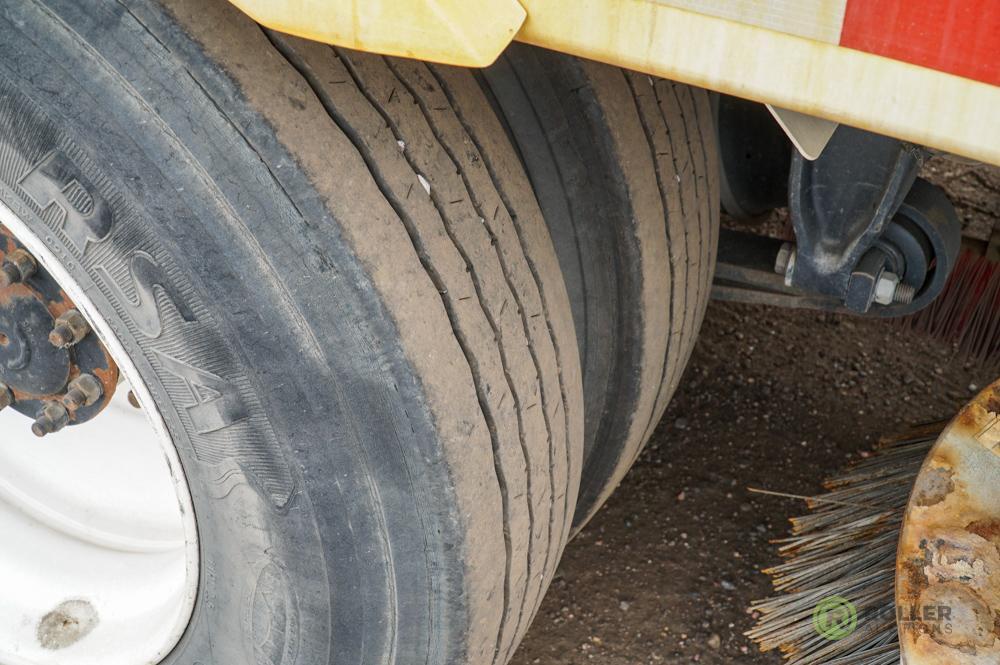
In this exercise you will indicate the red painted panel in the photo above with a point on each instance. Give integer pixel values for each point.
(956, 36)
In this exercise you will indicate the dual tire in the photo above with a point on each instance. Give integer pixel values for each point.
(625, 169)
(358, 324)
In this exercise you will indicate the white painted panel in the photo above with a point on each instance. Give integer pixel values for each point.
(821, 20)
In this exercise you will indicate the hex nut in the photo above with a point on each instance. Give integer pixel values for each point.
(83, 391)
(790, 267)
(8, 275)
(18, 266)
(885, 288)
(52, 418)
(784, 258)
(70, 329)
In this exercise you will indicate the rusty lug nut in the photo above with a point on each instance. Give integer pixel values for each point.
(52, 418)
(9, 275)
(6, 396)
(17, 267)
(83, 391)
(70, 330)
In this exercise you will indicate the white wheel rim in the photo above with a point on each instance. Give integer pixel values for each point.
(99, 552)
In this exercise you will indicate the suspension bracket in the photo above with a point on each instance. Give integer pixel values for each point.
(870, 236)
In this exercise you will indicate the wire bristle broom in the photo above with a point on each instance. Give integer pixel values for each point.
(967, 312)
(845, 547)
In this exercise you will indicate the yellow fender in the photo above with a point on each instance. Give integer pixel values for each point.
(471, 33)
(731, 47)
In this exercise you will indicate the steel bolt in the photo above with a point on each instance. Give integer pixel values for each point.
(17, 267)
(6, 396)
(52, 418)
(904, 294)
(890, 289)
(70, 330)
(84, 390)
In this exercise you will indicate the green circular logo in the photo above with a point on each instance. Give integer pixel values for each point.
(835, 618)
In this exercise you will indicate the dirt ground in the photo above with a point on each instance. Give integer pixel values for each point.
(772, 399)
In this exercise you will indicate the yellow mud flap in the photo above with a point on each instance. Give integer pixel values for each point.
(471, 33)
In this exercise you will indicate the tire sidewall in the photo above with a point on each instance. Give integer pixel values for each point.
(261, 563)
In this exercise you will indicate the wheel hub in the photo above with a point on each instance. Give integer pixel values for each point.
(99, 564)
(53, 369)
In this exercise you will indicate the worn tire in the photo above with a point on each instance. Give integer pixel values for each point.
(354, 325)
(625, 169)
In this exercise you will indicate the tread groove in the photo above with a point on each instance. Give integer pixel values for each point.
(496, 327)
(568, 511)
(533, 352)
(572, 218)
(422, 253)
(674, 281)
(701, 283)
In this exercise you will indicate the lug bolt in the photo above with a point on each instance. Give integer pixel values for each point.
(84, 390)
(70, 330)
(52, 418)
(17, 267)
(6, 396)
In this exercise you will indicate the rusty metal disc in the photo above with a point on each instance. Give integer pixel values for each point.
(948, 563)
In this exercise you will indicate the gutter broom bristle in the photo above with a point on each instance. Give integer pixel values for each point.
(845, 548)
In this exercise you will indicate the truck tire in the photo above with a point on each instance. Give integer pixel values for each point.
(331, 274)
(625, 169)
